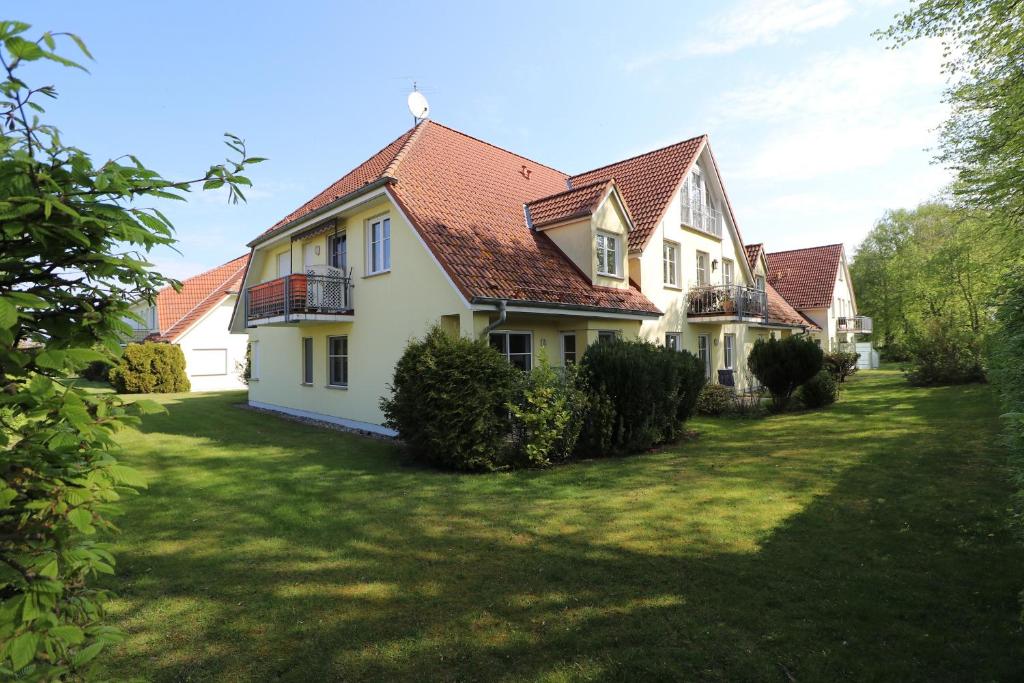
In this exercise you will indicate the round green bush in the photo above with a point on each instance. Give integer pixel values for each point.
(819, 391)
(714, 400)
(782, 365)
(150, 368)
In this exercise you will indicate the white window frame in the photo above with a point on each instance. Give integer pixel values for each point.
(704, 340)
(332, 242)
(759, 283)
(306, 362)
(254, 360)
(729, 351)
(607, 335)
(575, 347)
(607, 243)
(670, 265)
(705, 268)
(330, 365)
(508, 354)
(674, 341)
(383, 255)
(728, 271)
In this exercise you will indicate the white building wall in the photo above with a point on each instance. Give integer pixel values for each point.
(214, 358)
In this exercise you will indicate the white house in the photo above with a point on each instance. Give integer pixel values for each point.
(197, 319)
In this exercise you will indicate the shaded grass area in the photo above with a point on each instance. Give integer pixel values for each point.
(863, 542)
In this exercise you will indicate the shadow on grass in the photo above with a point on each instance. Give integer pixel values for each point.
(864, 542)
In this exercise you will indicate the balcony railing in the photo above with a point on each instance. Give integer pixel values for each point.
(702, 217)
(860, 324)
(734, 301)
(295, 296)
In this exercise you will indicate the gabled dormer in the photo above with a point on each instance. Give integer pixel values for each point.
(591, 225)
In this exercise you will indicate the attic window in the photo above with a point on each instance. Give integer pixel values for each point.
(607, 255)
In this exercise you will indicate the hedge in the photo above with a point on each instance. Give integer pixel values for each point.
(150, 368)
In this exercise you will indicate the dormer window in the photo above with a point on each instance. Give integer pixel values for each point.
(608, 255)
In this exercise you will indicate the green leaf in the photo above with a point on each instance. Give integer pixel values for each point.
(51, 359)
(23, 649)
(127, 476)
(8, 313)
(87, 654)
(69, 633)
(82, 519)
(148, 406)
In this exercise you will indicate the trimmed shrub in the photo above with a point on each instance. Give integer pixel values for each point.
(97, 371)
(819, 391)
(841, 365)
(714, 400)
(547, 415)
(641, 394)
(449, 402)
(150, 368)
(782, 365)
(942, 353)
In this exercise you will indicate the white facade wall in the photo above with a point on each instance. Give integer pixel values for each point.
(214, 358)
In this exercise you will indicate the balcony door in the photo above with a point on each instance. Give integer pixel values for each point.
(284, 263)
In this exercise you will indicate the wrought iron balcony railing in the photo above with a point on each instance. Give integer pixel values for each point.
(727, 300)
(297, 294)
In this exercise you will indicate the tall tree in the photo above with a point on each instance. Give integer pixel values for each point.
(73, 237)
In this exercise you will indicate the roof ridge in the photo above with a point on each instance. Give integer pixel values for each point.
(391, 169)
(218, 289)
(193, 277)
(637, 156)
(788, 251)
(571, 190)
(502, 149)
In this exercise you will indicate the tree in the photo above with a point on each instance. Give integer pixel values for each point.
(782, 365)
(72, 241)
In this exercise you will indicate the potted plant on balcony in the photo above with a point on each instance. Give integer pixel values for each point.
(728, 303)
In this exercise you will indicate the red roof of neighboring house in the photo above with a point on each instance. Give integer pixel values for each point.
(806, 277)
(465, 197)
(648, 183)
(753, 250)
(178, 311)
(781, 312)
(575, 203)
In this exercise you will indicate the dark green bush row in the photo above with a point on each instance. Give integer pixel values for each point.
(459, 405)
(942, 353)
(150, 368)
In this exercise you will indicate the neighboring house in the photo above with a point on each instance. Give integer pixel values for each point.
(440, 227)
(816, 281)
(197, 319)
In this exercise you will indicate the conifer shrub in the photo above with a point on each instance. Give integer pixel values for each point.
(782, 365)
(819, 391)
(150, 368)
(547, 414)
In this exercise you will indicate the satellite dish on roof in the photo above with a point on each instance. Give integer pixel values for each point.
(418, 106)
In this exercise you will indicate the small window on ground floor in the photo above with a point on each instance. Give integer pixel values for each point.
(517, 347)
(607, 335)
(704, 353)
(730, 351)
(307, 360)
(568, 348)
(337, 361)
(673, 340)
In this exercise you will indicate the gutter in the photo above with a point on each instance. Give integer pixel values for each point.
(582, 310)
(334, 203)
(502, 316)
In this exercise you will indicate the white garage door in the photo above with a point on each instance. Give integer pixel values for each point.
(208, 362)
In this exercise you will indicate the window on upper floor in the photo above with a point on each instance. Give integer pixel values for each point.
(284, 263)
(670, 263)
(337, 246)
(728, 271)
(607, 254)
(759, 282)
(378, 245)
(702, 268)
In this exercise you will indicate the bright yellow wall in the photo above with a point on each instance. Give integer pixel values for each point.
(577, 240)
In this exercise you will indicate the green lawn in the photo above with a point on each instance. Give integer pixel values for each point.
(864, 542)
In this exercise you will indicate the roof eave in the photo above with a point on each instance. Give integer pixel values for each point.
(567, 307)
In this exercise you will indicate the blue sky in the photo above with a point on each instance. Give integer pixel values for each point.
(817, 128)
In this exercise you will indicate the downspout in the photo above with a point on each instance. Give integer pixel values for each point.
(502, 315)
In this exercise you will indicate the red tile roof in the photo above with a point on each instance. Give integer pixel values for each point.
(465, 197)
(781, 312)
(806, 277)
(575, 203)
(752, 253)
(178, 311)
(648, 183)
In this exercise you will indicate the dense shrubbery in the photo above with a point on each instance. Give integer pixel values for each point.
(943, 354)
(819, 391)
(782, 365)
(715, 399)
(641, 394)
(841, 365)
(458, 404)
(449, 402)
(150, 368)
(97, 371)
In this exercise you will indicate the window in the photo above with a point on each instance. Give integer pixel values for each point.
(568, 348)
(702, 268)
(338, 248)
(727, 271)
(607, 254)
(704, 353)
(840, 272)
(307, 360)
(284, 263)
(759, 280)
(254, 360)
(517, 347)
(337, 361)
(673, 341)
(670, 263)
(378, 246)
(730, 350)
(208, 362)
(607, 336)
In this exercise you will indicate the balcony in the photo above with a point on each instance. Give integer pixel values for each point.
(313, 297)
(858, 324)
(700, 216)
(727, 303)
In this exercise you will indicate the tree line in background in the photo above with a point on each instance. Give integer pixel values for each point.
(952, 273)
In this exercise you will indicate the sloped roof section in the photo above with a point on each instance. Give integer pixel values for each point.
(753, 250)
(178, 311)
(806, 278)
(578, 202)
(647, 183)
(781, 313)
